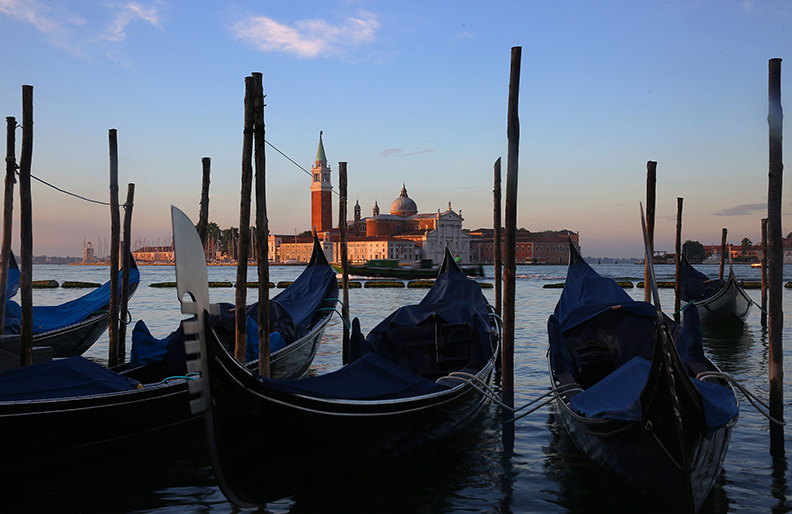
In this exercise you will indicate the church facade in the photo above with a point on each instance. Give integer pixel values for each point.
(403, 233)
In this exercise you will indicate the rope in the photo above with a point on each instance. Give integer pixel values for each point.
(295, 163)
(188, 376)
(69, 193)
(752, 398)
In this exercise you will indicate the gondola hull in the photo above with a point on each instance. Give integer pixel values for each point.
(54, 429)
(729, 302)
(633, 454)
(277, 444)
(636, 392)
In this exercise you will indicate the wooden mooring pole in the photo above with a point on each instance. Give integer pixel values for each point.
(651, 196)
(203, 213)
(26, 231)
(775, 262)
(678, 260)
(764, 273)
(343, 257)
(115, 234)
(8, 213)
(125, 264)
(497, 238)
(510, 264)
(262, 225)
(244, 224)
(724, 234)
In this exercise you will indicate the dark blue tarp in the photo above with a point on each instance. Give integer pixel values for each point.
(52, 317)
(14, 276)
(694, 285)
(291, 313)
(596, 308)
(617, 396)
(63, 378)
(370, 377)
(454, 299)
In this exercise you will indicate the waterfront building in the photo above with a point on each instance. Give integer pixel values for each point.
(547, 247)
(404, 233)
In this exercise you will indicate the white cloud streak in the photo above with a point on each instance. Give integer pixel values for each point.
(126, 14)
(306, 38)
(58, 26)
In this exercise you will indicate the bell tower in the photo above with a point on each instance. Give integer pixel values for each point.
(321, 192)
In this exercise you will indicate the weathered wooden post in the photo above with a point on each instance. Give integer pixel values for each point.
(125, 259)
(244, 224)
(115, 230)
(343, 257)
(262, 226)
(26, 231)
(775, 262)
(496, 237)
(510, 264)
(724, 233)
(203, 213)
(8, 213)
(678, 260)
(651, 196)
(764, 273)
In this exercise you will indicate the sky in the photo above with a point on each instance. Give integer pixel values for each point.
(408, 92)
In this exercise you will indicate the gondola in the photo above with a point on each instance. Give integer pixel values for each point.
(621, 375)
(270, 439)
(68, 407)
(69, 328)
(714, 299)
(298, 316)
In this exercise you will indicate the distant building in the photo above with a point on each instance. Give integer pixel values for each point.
(403, 233)
(152, 254)
(548, 247)
(88, 253)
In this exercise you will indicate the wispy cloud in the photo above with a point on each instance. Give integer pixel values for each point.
(399, 152)
(58, 25)
(128, 13)
(742, 210)
(307, 38)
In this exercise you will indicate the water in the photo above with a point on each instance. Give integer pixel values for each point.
(471, 473)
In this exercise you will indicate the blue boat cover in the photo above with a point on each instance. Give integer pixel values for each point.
(588, 295)
(617, 396)
(291, 313)
(694, 285)
(52, 317)
(14, 276)
(63, 378)
(454, 299)
(370, 377)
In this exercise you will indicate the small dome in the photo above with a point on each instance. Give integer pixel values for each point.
(404, 205)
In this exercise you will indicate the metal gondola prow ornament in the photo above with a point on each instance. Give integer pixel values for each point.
(192, 287)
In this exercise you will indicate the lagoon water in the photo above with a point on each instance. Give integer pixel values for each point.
(471, 473)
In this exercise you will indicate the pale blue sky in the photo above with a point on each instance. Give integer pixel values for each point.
(405, 92)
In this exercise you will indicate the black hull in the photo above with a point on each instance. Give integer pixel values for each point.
(44, 431)
(271, 445)
(73, 339)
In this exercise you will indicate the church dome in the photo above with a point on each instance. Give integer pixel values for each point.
(404, 205)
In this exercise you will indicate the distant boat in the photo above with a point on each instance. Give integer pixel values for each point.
(756, 264)
(392, 268)
(69, 328)
(628, 392)
(715, 299)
